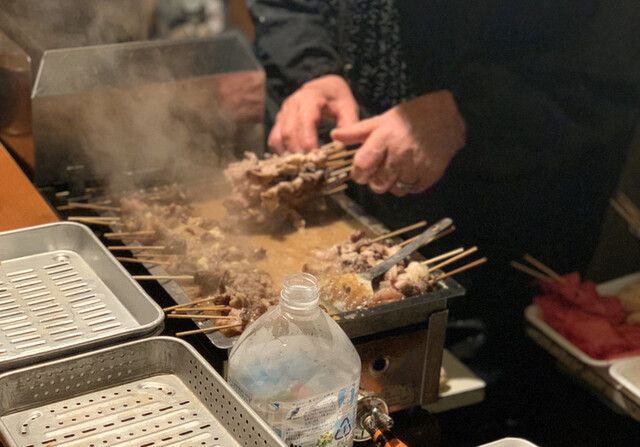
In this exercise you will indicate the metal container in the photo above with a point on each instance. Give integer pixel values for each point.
(61, 291)
(153, 392)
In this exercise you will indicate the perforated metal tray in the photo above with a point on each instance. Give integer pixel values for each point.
(155, 392)
(62, 292)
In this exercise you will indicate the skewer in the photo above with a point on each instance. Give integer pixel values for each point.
(629, 206)
(340, 171)
(157, 277)
(341, 154)
(206, 330)
(623, 212)
(135, 247)
(529, 271)
(544, 268)
(333, 165)
(89, 206)
(94, 221)
(338, 180)
(141, 261)
(443, 256)
(455, 258)
(335, 190)
(400, 231)
(199, 317)
(446, 232)
(190, 303)
(332, 146)
(202, 309)
(101, 218)
(156, 255)
(459, 270)
(129, 234)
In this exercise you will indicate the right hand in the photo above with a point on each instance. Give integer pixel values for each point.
(327, 97)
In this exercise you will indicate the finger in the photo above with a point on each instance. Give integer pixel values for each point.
(356, 133)
(368, 159)
(345, 112)
(275, 139)
(308, 131)
(383, 181)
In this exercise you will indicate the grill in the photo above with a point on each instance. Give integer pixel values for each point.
(153, 393)
(61, 291)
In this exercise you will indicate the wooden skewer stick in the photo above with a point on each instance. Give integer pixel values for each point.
(628, 204)
(342, 154)
(400, 231)
(141, 261)
(157, 277)
(332, 146)
(455, 258)
(129, 234)
(446, 232)
(143, 255)
(623, 212)
(102, 218)
(335, 181)
(344, 170)
(333, 166)
(201, 309)
(206, 330)
(459, 270)
(89, 206)
(335, 190)
(443, 256)
(529, 271)
(189, 304)
(135, 247)
(544, 268)
(199, 317)
(94, 221)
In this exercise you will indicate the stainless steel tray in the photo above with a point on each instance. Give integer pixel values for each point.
(62, 292)
(153, 392)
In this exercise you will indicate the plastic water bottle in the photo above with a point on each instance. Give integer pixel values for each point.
(298, 369)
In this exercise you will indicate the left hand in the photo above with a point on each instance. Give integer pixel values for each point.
(408, 148)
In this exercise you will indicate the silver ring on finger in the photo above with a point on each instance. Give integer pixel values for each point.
(406, 187)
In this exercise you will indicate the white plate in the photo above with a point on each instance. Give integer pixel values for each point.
(534, 316)
(509, 442)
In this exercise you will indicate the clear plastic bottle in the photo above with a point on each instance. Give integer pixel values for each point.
(298, 369)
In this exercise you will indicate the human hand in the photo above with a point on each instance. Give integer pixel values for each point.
(327, 97)
(408, 148)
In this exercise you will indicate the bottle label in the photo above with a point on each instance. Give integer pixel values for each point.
(322, 420)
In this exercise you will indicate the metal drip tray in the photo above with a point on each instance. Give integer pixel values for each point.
(61, 292)
(154, 393)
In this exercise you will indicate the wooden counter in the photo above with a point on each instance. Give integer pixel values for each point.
(20, 203)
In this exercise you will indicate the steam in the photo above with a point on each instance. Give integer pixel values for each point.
(136, 113)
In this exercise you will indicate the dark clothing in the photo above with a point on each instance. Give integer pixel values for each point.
(549, 90)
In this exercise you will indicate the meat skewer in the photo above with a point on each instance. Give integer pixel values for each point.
(341, 154)
(529, 271)
(199, 317)
(158, 277)
(455, 258)
(202, 309)
(544, 268)
(141, 261)
(89, 206)
(400, 231)
(443, 256)
(135, 247)
(335, 190)
(207, 330)
(458, 270)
